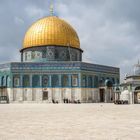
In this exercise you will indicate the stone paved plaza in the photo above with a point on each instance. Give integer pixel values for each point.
(69, 122)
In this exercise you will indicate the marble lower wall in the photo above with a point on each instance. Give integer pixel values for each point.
(85, 95)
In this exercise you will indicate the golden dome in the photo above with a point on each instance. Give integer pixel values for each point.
(51, 31)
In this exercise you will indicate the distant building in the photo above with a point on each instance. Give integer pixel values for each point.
(129, 90)
(51, 68)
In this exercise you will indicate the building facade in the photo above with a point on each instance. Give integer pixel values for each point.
(51, 68)
(129, 90)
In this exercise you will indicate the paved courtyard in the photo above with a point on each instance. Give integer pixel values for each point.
(69, 122)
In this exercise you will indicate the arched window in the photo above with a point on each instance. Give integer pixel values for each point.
(117, 88)
(44, 52)
(83, 80)
(90, 81)
(16, 80)
(137, 88)
(35, 81)
(2, 81)
(55, 80)
(26, 56)
(33, 55)
(102, 81)
(26, 81)
(117, 81)
(45, 81)
(56, 53)
(96, 82)
(74, 80)
(65, 80)
(113, 80)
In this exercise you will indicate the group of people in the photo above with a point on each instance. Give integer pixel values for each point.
(66, 101)
(69, 101)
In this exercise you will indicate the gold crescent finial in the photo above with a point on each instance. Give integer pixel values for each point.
(51, 8)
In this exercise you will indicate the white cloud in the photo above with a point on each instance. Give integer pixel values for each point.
(34, 11)
(18, 20)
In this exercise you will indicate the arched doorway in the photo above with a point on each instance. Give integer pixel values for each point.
(45, 95)
(7, 81)
(102, 95)
(109, 91)
(137, 95)
(4, 86)
(3, 89)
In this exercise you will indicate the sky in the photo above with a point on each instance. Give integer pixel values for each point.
(109, 30)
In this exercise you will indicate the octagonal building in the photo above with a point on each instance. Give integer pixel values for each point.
(51, 68)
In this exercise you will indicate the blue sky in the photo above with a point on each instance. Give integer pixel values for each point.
(109, 30)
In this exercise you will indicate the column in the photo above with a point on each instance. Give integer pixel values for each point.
(70, 86)
(21, 80)
(50, 89)
(40, 82)
(92, 81)
(21, 86)
(12, 87)
(60, 89)
(4, 81)
(21, 56)
(50, 80)
(31, 80)
(60, 80)
(11, 82)
(79, 81)
(105, 95)
(133, 99)
(70, 82)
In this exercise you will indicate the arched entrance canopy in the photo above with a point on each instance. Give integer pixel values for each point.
(137, 95)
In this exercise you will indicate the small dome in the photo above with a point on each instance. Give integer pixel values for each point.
(137, 69)
(108, 83)
(50, 31)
